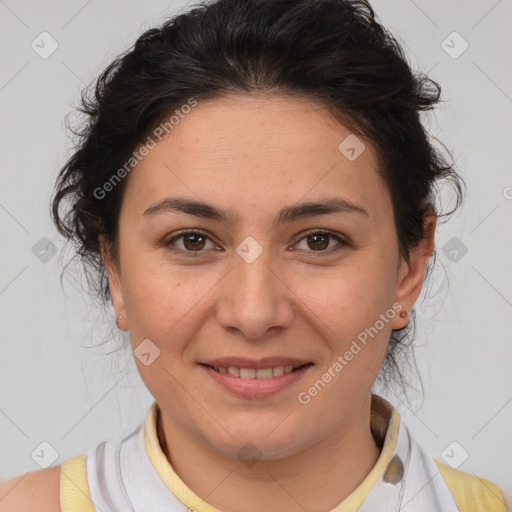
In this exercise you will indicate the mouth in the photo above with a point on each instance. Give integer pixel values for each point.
(256, 383)
(256, 378)
(253, 373)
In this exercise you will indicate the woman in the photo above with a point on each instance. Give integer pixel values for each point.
(255, 190)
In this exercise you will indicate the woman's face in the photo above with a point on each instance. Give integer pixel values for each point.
(263, 281)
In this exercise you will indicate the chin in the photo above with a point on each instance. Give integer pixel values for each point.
(264, 442)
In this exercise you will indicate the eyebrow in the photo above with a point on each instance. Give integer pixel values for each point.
(287, 214)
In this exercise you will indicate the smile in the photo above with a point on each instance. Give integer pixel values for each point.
(252, 373)
(251, 383)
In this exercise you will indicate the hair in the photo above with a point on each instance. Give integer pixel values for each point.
(334, 52)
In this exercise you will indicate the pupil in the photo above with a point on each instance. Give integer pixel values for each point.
(320, 241)
(194, 244)
(319, 245)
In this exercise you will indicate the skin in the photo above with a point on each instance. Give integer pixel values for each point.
(294, 300)
(37, 490)
(232, 153)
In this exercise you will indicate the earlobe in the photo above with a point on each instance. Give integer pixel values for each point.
(114, 284)
(412, 273)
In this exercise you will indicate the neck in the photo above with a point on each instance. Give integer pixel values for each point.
(318, 478)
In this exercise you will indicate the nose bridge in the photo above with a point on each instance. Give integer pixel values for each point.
(251, 273)
(255, 298)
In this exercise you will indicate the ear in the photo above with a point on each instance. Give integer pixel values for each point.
(114, 282)
(412, 274)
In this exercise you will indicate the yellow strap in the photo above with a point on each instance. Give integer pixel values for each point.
(470, 492)
(74, 489)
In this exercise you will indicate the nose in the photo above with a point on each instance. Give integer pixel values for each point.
(255, 297)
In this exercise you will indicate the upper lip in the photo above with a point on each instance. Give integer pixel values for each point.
(257, 364)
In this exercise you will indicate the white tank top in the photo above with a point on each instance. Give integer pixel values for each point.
(121, 477)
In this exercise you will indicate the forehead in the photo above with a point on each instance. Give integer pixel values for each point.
(253, 151)
(265, 128)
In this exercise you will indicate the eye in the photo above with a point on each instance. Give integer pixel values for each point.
(194, 241)
(319, 241)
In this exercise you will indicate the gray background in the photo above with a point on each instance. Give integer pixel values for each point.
(60, 385)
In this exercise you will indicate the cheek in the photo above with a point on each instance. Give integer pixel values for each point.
(166, 303)
(156, 302)
(352, 311)
(349, 298)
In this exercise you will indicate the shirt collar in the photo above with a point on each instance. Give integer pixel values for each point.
(384, 424)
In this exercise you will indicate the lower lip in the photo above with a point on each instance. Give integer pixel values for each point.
(256, 388)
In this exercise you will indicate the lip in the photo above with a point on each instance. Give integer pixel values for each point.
(257, 364)
(255, 388)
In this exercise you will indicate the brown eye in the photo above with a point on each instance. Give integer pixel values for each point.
(193, 243)
(320, 242)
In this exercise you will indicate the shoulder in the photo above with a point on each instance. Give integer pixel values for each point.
(471, 492)
(37, 490)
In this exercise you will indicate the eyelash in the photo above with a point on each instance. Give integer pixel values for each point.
(194, 254)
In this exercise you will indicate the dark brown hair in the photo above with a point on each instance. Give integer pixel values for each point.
(331, 51)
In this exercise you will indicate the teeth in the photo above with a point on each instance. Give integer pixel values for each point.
(278, 371)
(247, 373)
(265, 373)
(251, 373)
(234, 371)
